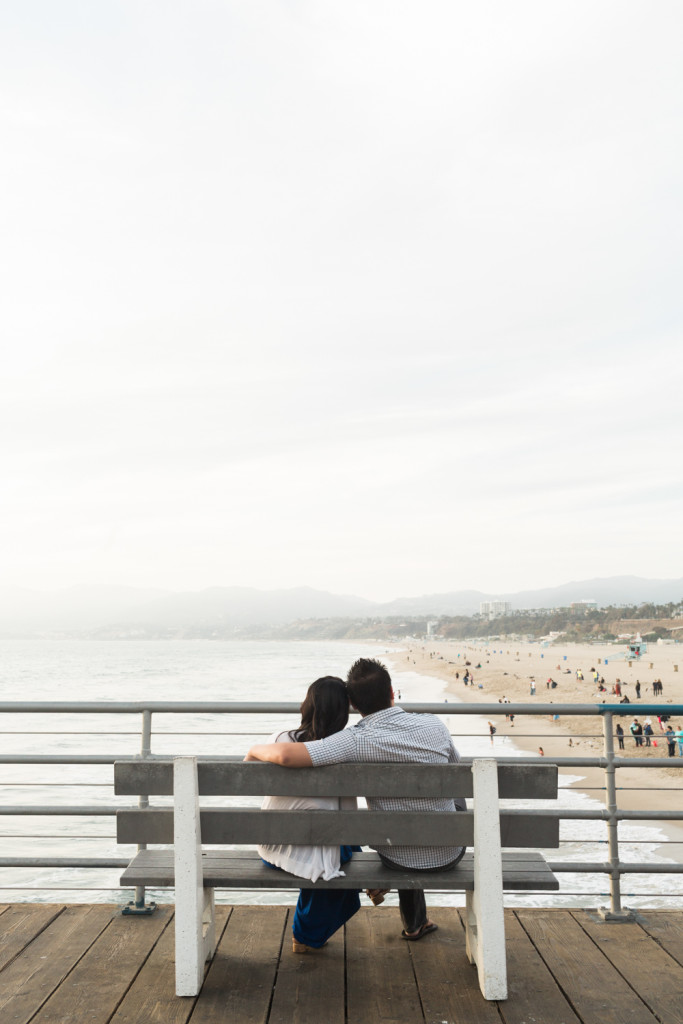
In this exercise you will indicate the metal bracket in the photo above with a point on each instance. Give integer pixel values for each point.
(133, 909)
(616, 916)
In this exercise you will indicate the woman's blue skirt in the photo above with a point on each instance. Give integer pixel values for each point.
(321, 912)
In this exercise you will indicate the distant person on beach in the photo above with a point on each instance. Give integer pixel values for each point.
(385, 733)
(636, 731)
(492, 731)
(670, 737)
(648, 732)
(679, 740)
(319, 912)
(541, 752)
(620, 736)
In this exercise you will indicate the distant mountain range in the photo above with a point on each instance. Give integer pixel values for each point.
(88, 608)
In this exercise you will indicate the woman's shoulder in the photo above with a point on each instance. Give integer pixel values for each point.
(282, 736)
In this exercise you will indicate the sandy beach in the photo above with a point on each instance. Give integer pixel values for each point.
(502, 669)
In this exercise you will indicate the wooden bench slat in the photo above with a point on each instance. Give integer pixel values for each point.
(245, 870)
(251, 826)
(223, 778)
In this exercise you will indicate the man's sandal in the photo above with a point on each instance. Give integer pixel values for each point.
(426, 928)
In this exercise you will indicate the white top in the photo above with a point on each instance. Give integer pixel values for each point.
(311, 862)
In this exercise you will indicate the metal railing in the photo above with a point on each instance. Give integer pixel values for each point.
(610, 763)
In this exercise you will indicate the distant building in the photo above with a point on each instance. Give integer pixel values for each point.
(586, 605)
(495, 608)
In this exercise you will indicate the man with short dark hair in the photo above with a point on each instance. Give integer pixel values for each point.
(389, 734)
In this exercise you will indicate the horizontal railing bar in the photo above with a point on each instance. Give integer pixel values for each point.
(560, 867)
(562, 762)
(586, 867)
(64, 862)
(291, 707)
(77, 811)
(564, 814)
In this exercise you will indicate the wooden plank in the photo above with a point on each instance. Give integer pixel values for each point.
(596, 990)
(221, 778)
(38, 971)
(101, 978)
(667, 928)
(239, 984)
(380, 983)
(233, 869)
(656, 976)
(251, 826)
(448, 983)
(20, 925)
(533, 993)
(310, 986)
(151, 999)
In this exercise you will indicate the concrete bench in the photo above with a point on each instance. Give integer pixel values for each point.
(483, 874)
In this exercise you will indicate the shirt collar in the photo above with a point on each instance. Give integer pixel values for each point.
(379, 717)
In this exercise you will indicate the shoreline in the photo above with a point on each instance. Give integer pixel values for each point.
(506, 669)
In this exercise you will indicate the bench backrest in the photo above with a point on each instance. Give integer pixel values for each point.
(250, 826)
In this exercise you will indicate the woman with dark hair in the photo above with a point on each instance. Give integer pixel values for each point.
(319, 913)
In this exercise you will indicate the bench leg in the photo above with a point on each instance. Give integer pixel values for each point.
(209, 924)
(485, 919)
(191, 908)
(470, 929)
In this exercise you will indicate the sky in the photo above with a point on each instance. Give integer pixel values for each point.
(381, 298)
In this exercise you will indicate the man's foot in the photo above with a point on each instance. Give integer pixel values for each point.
(376, 895)
(426, 928)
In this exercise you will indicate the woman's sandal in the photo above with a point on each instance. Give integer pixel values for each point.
(376, 895)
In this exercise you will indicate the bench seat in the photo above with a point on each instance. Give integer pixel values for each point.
(244, 869)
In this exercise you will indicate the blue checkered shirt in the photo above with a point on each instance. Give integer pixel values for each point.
(396, 735)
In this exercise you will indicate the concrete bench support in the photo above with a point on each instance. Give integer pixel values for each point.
(195, 926)
(485, 932)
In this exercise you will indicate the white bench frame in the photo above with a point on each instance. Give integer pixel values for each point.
(195, 916)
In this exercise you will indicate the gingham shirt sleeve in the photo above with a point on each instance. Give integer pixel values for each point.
(334, 749)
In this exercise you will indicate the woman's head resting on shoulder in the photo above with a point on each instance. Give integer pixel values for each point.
(324, 711)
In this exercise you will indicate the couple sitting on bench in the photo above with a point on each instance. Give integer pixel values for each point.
(385, 733)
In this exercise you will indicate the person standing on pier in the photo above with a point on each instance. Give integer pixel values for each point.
(387, 734)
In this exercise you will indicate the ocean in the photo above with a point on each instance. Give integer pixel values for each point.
(203, 670)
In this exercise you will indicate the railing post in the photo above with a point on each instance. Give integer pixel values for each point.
(138, 906)
(616, 912)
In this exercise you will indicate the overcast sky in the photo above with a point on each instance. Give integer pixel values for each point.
(382, 298)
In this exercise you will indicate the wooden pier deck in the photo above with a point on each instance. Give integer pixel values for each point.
(90, 965)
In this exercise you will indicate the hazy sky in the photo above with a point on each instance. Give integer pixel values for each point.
(378, 297)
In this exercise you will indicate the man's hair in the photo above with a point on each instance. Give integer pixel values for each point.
(369, 686)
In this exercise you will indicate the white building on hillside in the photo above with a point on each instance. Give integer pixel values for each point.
(494, 608)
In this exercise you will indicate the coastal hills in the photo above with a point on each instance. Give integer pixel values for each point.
(243, 611)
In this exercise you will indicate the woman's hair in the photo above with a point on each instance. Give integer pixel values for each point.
(324, 711)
